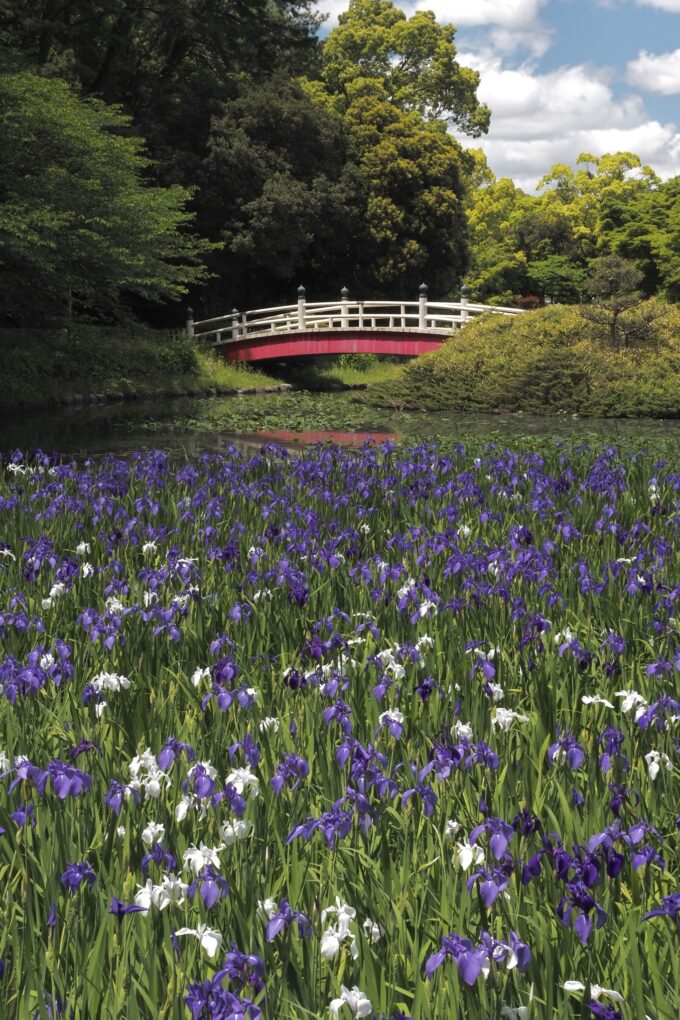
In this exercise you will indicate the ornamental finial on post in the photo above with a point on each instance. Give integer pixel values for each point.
(301, 292)
(344, 308)
(422, 306)
(464, 295)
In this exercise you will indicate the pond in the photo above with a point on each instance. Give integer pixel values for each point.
(214, 423)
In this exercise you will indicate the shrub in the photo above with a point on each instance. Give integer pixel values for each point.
(546, 361)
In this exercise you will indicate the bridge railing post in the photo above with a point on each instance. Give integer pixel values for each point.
(344, 308)
(464, 300)
(190, 322)
(422, 306)
(301, 306)
(235, 331)
(360, 307)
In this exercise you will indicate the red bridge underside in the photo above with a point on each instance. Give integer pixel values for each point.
(299, 345)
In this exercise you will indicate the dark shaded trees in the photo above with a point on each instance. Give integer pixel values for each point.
(279, 193)
(81, 228)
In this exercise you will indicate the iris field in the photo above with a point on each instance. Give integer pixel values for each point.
(382, 733)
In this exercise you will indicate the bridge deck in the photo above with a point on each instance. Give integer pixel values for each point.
(407, 328)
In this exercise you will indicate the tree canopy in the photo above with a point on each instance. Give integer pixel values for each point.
(80, 226)
(545, 244)
(409, 62)
(295, 158)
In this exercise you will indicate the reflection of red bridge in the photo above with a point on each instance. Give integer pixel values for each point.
(408, 328)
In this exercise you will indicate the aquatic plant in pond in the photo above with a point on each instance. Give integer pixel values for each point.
(390, 732)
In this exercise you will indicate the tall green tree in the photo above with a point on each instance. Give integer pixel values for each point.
(81, 228)
(281, 197)
(411, 179)
(398, 87)
(409, 62)
(583, 195)
(498, 266)
(170, 64)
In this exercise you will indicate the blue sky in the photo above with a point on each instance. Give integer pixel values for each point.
(568, 76)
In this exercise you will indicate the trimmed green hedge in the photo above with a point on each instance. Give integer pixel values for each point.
(39, 367)
(544, 362)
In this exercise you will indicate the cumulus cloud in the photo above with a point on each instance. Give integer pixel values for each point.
(511, 24)
(656, 72)
(542, 119)
(538, 119)
(663, 5)
(510, 14)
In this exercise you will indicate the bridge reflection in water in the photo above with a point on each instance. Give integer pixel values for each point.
(406, 328)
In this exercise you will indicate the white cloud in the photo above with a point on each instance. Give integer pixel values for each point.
(664, 5)
(512, 24)
(656, 72)
(510, 14)
(541, 119)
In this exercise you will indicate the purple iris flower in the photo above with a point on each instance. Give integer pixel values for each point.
(580, 903)
(119, 910)
(471, 960)
(235, 800)
(284, 918)
(647, 854)
(603, 1011)
(526, 823)
(670, 907)
(26, 770)
(341, 713)
(489, 883)
(210, 1000)
(250, 750)
(83, 747)
(294, 679)
(426, 687)
(77, 873)
(291, 767)
(611, 741)
(67, 780)
(578, 799)
(116, 793)
(566, 747)
(158, 855)
(657, 712)
(481, 754)
(241, 969)
(213, 886)
(171, 751)
(334, 824)
(620, 796)
(501, 834)
(426, 793)
(201, 781)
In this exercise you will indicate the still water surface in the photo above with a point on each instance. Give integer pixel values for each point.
(215, 423)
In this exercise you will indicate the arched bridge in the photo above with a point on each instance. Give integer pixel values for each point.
(407, 328)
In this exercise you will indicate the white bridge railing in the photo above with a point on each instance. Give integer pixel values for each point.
(422, 316)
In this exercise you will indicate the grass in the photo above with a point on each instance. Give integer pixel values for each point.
(345, 370)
